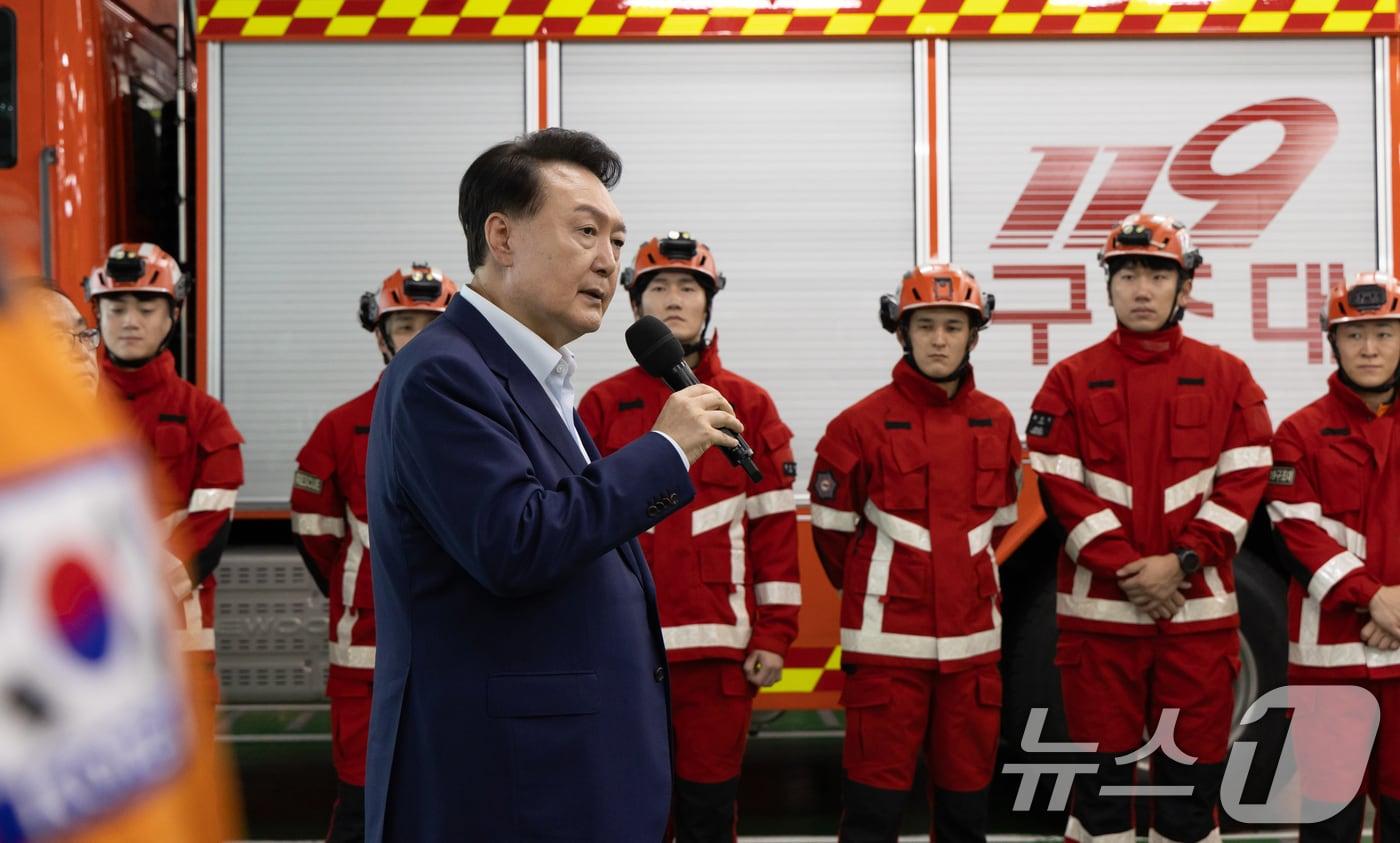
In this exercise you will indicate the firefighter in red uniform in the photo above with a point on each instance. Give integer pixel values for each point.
(912, 488)
(331, 530)
(1152, 451)
(1333, 497)
(726, 565)
(138, 293)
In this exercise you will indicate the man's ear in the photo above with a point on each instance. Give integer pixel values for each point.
(1185, 292)
(498, 240)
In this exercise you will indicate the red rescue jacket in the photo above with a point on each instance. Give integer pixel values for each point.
(1145, 443)
(197, 448)
(725, 565)
(330, 521)
(910, 493)
(1334, 496)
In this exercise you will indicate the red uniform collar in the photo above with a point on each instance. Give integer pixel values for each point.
(915, 386)
(1149, 347)
(1348, 398)
(708, 366)
(147, 378)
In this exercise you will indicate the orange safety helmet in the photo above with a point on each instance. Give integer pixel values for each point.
(1151, 235)
(137, 268)
(422, 288)
(1367, 296)
(677, 251)
(937, 285)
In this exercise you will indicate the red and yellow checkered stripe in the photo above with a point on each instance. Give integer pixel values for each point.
(585, 19)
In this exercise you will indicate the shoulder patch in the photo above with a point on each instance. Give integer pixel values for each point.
(1040, 424)
(361, 430)
(824, 485)
(790, 469)
(307, 482)
(893, 424)
(979, 422)
(636, 404)
(1282, 475)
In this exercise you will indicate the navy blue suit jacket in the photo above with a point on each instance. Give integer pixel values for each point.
(519, 689)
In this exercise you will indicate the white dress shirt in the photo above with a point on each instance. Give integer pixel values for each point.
(553, 368)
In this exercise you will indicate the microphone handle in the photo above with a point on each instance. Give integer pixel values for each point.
(681, 376)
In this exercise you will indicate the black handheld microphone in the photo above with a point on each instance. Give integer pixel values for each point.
(660, 355)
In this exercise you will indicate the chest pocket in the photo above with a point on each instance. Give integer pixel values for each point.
(1103, 435)
(715, 472)
(173, 446)
(1190, 436)
(905, 475)
(1343, 470)
(991, 471)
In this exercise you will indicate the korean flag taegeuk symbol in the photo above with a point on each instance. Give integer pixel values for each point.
(91, 707)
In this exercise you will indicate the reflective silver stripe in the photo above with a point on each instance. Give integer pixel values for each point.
(902, 531)
(1154, 837)
(1109, 488)
(947, 648)
(1074, 830)
(212, 500)
(1060, 465)
(354, 557)
(735, 635)
(715, 515)
(705, 635)
(1215, 607)
(1180, 494)
(1306, 652)
(353, 655)
(826, 518)
(1095, 525)
(1331, 573)
(311, 524)
(770, 503)
(1312, 513)
(1072, 468)
(173, 520)
(1238, 459)
(980, 537)
(195, 639)
(1213, 513)
(778, 593)
(358, 529)
(342, 652)
(1006, 515)
(194, 636)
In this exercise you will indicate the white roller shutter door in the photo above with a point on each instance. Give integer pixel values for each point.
(1109, 119)
(340, 162)
(794, 162)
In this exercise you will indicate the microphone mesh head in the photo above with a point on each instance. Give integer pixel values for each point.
(653, 346)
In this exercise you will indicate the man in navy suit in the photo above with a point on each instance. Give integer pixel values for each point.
(520, 689)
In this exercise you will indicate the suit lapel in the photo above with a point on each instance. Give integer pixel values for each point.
(527, 392)
(630, 551)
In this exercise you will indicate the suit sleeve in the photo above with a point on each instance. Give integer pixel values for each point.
(772, 538)
(1095, 538)
(218, 476)
(318, 506)
(512, 534)
(838, 493)
(1217, 531)
(1324, 554)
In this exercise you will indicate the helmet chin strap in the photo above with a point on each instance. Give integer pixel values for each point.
(388, 343)
(958, 371)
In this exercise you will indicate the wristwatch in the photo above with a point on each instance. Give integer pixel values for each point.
(1188, 559)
